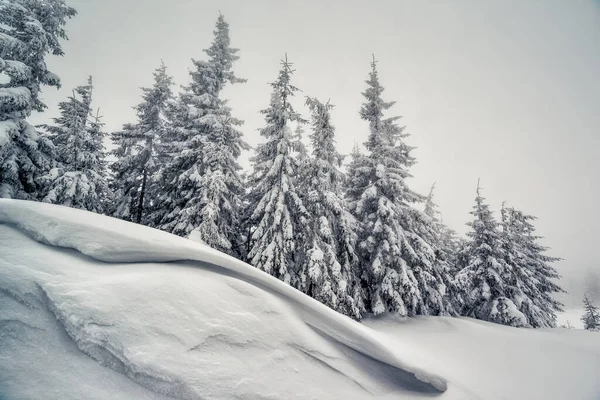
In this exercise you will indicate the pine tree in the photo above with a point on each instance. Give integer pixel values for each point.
(487, 278)
(532, 284)
(201, 185)
(29, 30)
(591, 318)
(79, 180)
(136, 165)
(327, 272)
(399, 266)
(444, 241)
(279, 217)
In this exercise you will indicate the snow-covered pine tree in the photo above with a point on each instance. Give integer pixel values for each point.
(591, 318)
(430, 206)
(487, 278)
(445, 243)
(201, 185)
(79, 180)
(279, 217)
(399, 266)
(327, 272)
(29, 30)
(136, 159)
(532, 285)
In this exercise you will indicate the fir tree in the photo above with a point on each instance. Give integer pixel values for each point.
(399, 266)
(201, 185)
(279, 216)
(444, 241)
(430, 206)
(487, 278)
(532, 284)
(591, 318)
(29, 30)
(136, 165)
(328, 270)
(79, 180)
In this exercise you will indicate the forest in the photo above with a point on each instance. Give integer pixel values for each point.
(347, 231)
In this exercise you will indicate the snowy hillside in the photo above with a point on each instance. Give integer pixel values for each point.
(97, 308)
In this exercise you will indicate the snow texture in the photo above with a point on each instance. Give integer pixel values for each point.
(97, 315)
(210, 327)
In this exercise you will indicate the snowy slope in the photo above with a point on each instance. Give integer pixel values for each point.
(96, 308)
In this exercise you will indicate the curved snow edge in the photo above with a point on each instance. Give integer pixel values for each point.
(114, 240)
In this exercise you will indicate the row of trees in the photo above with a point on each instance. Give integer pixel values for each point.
(354, 241)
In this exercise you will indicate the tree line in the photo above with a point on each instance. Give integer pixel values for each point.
(350, 235)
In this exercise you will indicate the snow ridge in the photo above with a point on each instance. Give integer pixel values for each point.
(114, 240)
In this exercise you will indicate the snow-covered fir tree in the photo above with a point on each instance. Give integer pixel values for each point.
(430, 206)
(591, 317)
(445, 243)
(327, 272)
(136, 159)
(447, 239)
(278, 219)
(201, 185)
(400, 272)
(487, 279)
(79, 179)
(533, 282)
(29, 30)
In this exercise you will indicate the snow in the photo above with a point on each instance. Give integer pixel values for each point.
(5, 128)
(4, 78)
(93, 307)
(571, 316)
(492, 361)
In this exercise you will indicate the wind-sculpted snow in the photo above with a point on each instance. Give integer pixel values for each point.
(101, 314)
(198, 328)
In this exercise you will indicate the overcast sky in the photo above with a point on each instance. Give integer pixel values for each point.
(504, 90)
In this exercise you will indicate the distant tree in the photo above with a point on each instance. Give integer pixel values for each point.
(278, 219)
(399, 269)
(201, 185)
(487, 278)
(445, 244)
(591, 318)
(29, 30)
(533, 282)
(79, 179)
(327, 272)
(136, 155)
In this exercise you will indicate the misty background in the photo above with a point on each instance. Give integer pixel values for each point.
(506, 91)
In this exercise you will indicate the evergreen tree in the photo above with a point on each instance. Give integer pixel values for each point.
(136, 165)
(400, 271)
(29, 30)
(532, 284)
(487, 278)
(327, 272)
(430, 207)
(445, 244)
(79, 180)
(279, 216)
(201, 185)
(591, 318)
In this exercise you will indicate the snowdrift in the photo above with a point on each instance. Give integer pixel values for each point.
(96, 308)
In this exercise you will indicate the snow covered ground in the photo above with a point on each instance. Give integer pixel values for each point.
(96, 308)
(572, 316)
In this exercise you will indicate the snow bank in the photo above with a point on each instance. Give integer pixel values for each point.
(492, 361)
(116, 310)
(208, 327)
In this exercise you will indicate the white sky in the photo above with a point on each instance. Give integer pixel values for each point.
(508, 91)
